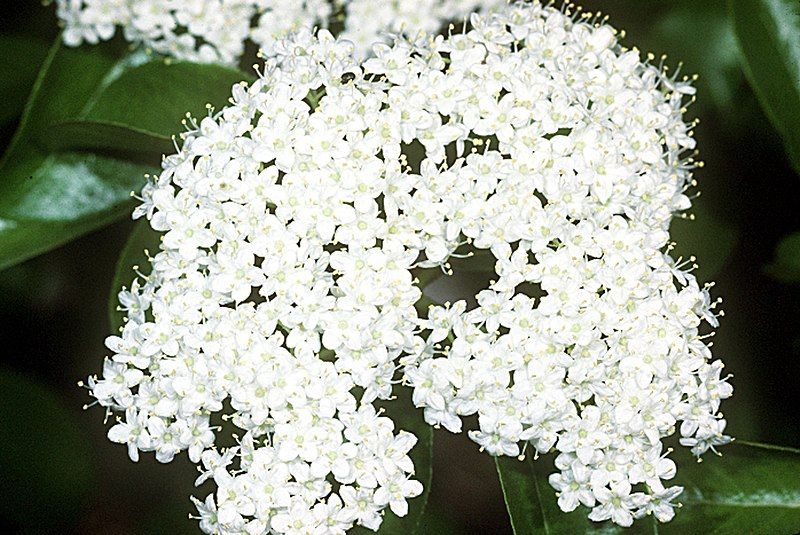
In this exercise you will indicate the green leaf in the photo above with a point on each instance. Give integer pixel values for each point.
(155, 96)
(45, 462)
(135, 91)
(68, 78)
(48, 198)
(407, 418)
(143, 240)
(532, 503)
(786, 264)
(704, 236)
(122, 107)
(51, 199)
(438, 522)
(88, 134)
(751, 488)
(768, 32)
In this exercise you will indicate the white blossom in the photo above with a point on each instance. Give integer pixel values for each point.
(290, 307)
(367, 22)
(217, 31)
(580, 158)
(296, 223)
(212, 31)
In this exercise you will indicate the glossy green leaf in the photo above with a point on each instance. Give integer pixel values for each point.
(64, 196)
(155, 96)
(406, 417)
(786, 264)
(68, 79)
(49, 198)
(704, 236)
(751, 488)
(88, 134)
(45, 462)
(768, 32)
(143, 240)
(123, 108)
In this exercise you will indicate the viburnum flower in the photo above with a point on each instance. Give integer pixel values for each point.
(281, 298)
(589, 339)
(369, 21)
(212, 31)
(298, 221)
(216, 31)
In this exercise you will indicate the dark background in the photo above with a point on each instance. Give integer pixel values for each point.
(59, 473)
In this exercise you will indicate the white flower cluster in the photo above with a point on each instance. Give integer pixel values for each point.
(211, 31)
(281, 289)
(216, 31)
(283, 294)
(370, 21)
(588, 341)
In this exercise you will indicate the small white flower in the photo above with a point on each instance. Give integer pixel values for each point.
(660, 502)
(208, 514)
(133, 432)
(114, 389)
(573, 487)
(617, 504)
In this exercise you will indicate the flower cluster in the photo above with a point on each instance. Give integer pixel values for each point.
(216, 31)
(589, 339)
(212, 31)
(282, 290)
(295, 220)
(371, 21)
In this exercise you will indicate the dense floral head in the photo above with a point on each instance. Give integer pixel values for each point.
(280, 290)
(565, 157)
(216, 31)
(297, 220)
